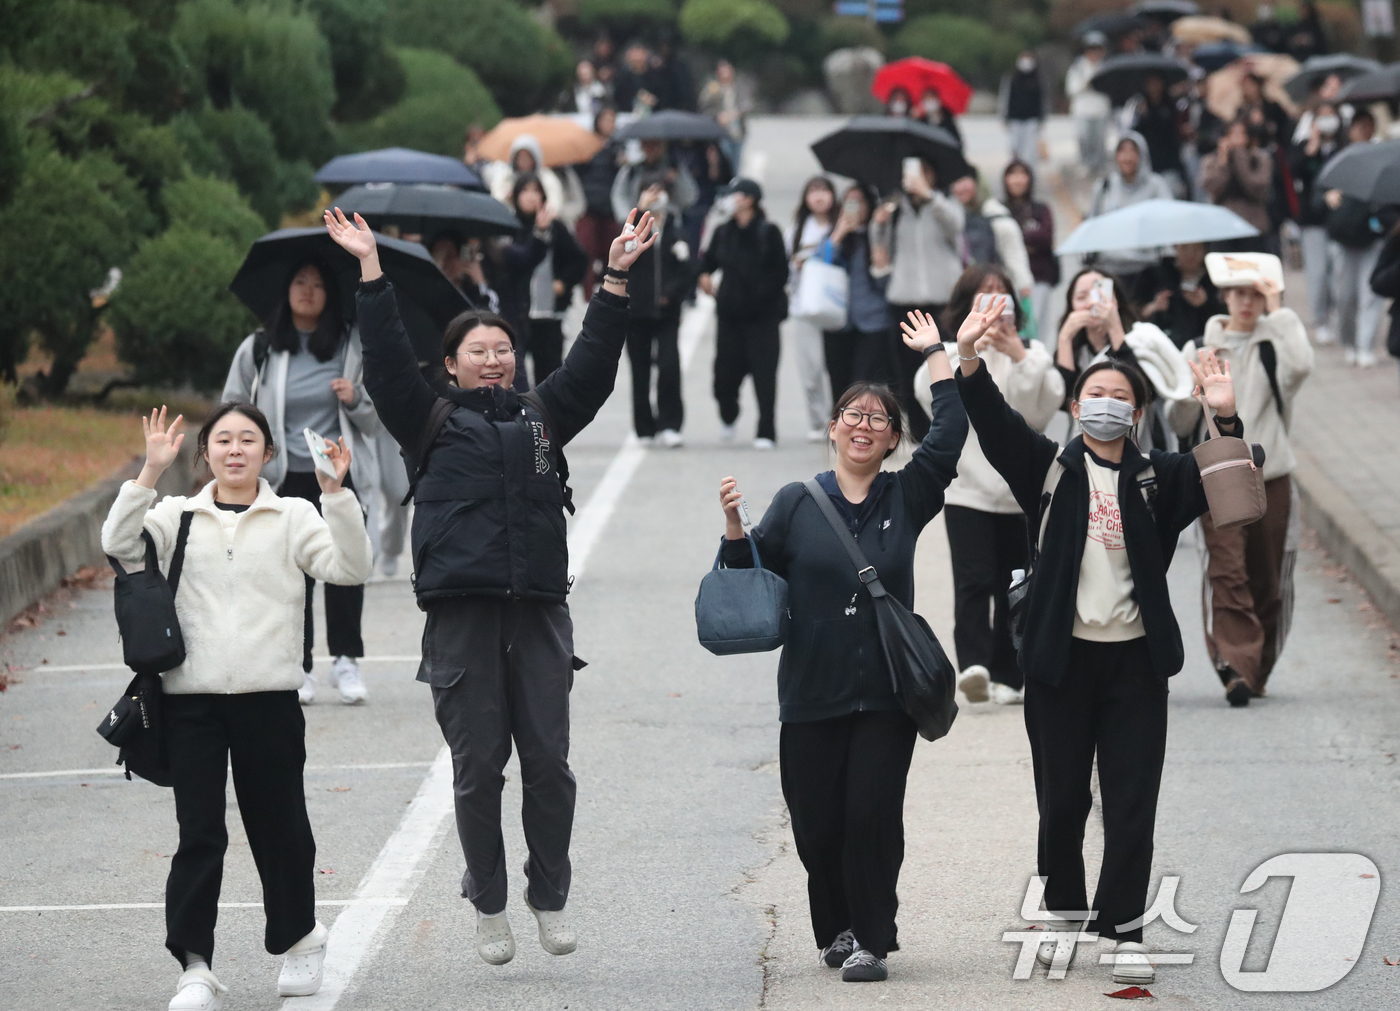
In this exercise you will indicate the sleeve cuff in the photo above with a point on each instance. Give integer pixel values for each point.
(377, 285)
(600, 294)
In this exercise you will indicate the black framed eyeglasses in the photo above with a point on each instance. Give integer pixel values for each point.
(878, 422)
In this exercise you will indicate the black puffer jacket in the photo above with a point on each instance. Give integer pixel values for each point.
(755, 265)
(490, 505)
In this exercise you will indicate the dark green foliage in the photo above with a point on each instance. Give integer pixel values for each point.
(175, 320)
(441, 100)
(368, 79)
(213, 206)
(975, 49)
(739, 29)
(235, 144)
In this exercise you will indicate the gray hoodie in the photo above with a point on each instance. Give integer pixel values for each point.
(927, 250)
(1113, 192)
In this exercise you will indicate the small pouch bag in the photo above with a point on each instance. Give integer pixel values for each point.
(1231, 476)
(741, 610)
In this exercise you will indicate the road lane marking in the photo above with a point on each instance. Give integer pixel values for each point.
(117, 770)
(102, 906)
(78, 668)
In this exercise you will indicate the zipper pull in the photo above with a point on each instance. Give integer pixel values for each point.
(230, 554)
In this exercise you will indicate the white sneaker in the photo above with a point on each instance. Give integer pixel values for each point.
(345, 675)
(726, 433)
(1132, 964)
(763, 444)
(198, 990)
(816, 435)
(494, 941)
(1365, 359)
(389, 566)
(1322, 334)
(644, 440)
(1349, 356)
(301, 966)
(306, 694)
(1045, 954)
(1005, 695)
(556, 936)
(973, 683)
(671, 439)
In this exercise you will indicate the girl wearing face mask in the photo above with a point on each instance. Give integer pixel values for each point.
(933, 112)
(1022, 106)
(1322, 138)
(815, 216)
(249, 556)
(1250, 568)
(845, 745)
(1100, 639)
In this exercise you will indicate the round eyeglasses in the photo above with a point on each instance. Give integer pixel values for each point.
(478, 356)
(878, 422)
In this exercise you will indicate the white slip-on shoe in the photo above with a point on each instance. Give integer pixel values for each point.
(726, 433)
(301, 965)
(1005, 695)
(494, 941)
(1132, 964)
(1045, 954)
(1365, 359)
(556, 936)
(763, 445)
(345, 675)
(306, 694)
(198, 990)
(671, 439)
(973, 683)
(389, 566)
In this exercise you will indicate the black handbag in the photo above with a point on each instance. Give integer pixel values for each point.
(924, 679)
(741, 610)
(151, 644)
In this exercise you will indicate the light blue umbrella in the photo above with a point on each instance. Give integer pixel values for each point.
(1156, 223)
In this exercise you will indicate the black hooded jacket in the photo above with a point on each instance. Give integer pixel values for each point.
(489, 516)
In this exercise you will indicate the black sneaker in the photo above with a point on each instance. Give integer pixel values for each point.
(863, 967)
(834, 955)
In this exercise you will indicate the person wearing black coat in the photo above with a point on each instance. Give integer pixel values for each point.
(750, 302)
(491, 564)
(659, 284)
(845, 744)
(551, 283)
(1178, 294)
(1385, 282)
(1100, 638)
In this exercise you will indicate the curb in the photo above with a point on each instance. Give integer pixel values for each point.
(1350, 535)
(36, 558)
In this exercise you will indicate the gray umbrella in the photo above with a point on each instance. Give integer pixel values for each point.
(429, 209)
(1121, 77)
(1157, 223)
(1369, 172)
(1316, 69)
(672, 125)
(1381, 85)
(396, 165)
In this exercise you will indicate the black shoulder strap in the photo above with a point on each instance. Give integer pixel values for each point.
(177, 560)
(437, 417)
(865, 572)
(1268, 356)
(262, 347)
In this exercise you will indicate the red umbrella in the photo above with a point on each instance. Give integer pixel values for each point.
(916, 75)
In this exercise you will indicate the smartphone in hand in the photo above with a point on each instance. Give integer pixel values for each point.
(319, 457)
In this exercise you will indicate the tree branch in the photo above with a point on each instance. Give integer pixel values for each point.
(64, 104)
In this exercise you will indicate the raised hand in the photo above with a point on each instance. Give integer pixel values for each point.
(339, 455)
(356, 239)
(978, 323)
(162, 446)
(642, 239)
(923, 331)
(1213, 381)
(729, 497)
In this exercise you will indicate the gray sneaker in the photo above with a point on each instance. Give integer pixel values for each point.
(835, 954)
(863, 967)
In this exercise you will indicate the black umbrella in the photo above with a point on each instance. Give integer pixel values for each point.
(1112, 24)
(427, 299)
(672, 125)
(1381, 85)
(1121, 77)
(1212, 56)
(1164, 10)
(396, 165)
(1316, 69)
(429, 209)
(1369, 172)
(872, 150)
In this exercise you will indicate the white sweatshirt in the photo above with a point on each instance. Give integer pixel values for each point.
(242, 594)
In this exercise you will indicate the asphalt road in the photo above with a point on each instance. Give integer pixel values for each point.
(687, 892)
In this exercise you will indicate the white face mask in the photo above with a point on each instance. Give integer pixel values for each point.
(932, 105)
(1328, 124)
(660, 203)
(1025, 64)
(1105, 419)
(898, 107)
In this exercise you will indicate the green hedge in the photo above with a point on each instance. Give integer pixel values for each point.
(973, 48)
(441, 99)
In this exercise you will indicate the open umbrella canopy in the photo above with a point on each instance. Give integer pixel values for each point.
(1200, 29)
(1214, 55)
(917, 75)
(1381, 85)
(561, 139)
(1121, 77)
(427, 299)
(1157, 223)
(672, 125)
(427, 209)
(1369, 172)
(396, 165)
(1164, 10)
(1316, 69)
(1223, 90)
(872, 149)
(1113, 24)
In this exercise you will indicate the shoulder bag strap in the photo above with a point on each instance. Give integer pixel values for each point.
(437, 417)
(1268, 357)
(177, 560)
(865, 572)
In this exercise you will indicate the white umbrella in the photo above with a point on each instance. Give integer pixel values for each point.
(1157, 223)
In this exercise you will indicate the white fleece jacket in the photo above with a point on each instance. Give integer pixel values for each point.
(1254, 399)
(1032, 386)
(242, 594)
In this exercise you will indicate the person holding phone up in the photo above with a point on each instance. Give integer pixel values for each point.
(1100, 638)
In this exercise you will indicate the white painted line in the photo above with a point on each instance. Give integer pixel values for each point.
(117, 770)
(593, 517)
(102, 906)
(78, 668)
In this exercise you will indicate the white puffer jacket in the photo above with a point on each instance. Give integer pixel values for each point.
(242, 594)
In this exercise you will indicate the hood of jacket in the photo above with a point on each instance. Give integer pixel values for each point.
(527, 142)
(1144, 172)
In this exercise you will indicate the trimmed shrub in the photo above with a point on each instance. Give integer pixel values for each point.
(740, 29)
(441, 99)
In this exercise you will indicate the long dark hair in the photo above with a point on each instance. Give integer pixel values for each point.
(1020, 207)
(1141, 390)
(1126, 314)
(457, 331)
(889, 403)
(966, 288)
(522, 182)
(799, 220)
(325, 340)
(868, 195)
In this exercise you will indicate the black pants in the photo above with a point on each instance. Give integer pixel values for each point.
(501, 670)
(1112, 703)
(853, 356)
(344, 604)
(263, 735)
(907, 362)
(747, 348)
(843, 781)
(545, 346)
(985, 547)
(658, 340)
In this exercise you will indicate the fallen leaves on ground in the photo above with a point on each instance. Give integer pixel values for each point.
(1132, 993)
(337, 789)
(1389, 962)
(325, 870)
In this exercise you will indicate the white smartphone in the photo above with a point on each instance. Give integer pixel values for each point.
(744, 513)
(913, 172)
(984, 302)
(319, 457)
(1100, 294)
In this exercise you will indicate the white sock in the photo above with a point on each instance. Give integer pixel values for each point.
(196, 962)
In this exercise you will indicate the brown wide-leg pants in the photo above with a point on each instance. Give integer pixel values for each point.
(1245, 569)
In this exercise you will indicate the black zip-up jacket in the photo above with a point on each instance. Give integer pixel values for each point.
(1385, 282)
(755, 265)
(658, 274)
(489, 517)
(1022, 456)
(832, 662)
